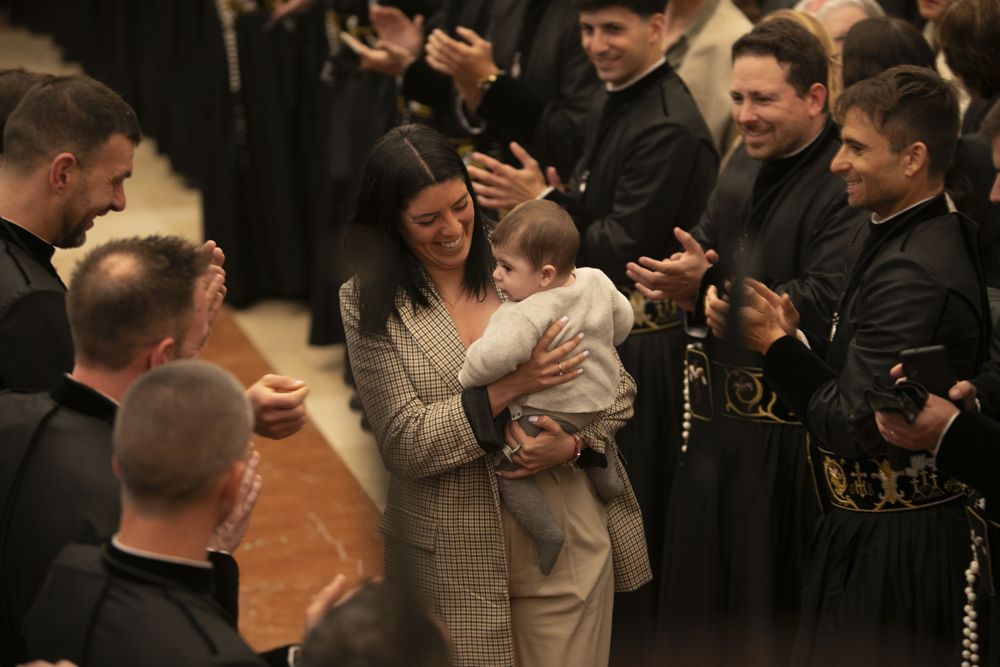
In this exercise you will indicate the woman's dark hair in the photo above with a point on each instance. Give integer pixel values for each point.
(968, 32)
(874, 45)
(404, 162)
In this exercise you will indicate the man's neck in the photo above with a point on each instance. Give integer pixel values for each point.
(653, 63)
(816, 128)
(112, 384)
(22, 204)
(183, 535)
(913, 198)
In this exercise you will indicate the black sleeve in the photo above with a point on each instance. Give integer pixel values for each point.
(427, 86)
(796, 373)
(550, 124)
(489, 430)
(901, 306)
(970, 450)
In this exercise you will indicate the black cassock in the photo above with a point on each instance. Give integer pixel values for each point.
(885, 573)
(56, 486)
(35, 343)
(743, 503)
(970, 450)
(545, 94)
(102, 606)
(648, 166)
(354, 108)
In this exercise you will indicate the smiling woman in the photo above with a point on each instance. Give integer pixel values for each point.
(421, 295)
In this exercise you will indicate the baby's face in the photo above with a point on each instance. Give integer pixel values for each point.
(515, 275)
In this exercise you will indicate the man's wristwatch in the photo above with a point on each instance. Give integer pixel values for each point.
(487, 83)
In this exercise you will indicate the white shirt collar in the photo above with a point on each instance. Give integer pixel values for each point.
(632, 81)
(875, 218)
(205, 565)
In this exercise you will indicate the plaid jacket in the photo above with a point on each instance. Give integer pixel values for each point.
(442, 517)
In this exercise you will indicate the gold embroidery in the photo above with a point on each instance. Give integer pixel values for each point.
(749, 398)
(836, 481)
(650, 315)
(920, 479)
(696, 366)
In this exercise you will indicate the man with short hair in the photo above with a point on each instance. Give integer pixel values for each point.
(380, 625)
(649, 163)
(68, 148)
(180, 450)
(135, 304)
(14, 85)
(743, 505)
(885, 569)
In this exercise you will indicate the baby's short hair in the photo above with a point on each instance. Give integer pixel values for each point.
(542, 231)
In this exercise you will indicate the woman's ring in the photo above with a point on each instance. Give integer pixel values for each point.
(509, 451)
(559, 364)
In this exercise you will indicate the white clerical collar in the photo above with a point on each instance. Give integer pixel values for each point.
(640, 77)
(205, 565)
(877, 221)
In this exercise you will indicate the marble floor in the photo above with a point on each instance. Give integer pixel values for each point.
(159, 202)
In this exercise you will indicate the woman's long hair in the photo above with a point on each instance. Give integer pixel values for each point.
(404, 162)
(874, 45)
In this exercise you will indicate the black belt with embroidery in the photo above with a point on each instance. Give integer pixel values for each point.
(739, 392)
(871, 485)
(650, 315)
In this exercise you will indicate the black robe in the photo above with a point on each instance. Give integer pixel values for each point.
(35, 343)
(57, 487)
(543, 97)
(885, 572)
(649, 164)
(743, 503)
(354, 108)
(102, 606)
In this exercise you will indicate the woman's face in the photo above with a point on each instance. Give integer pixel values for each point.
(437, 225)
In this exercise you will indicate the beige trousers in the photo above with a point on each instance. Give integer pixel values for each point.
(563, 618)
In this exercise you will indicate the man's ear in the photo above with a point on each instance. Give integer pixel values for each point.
(163, 351)
(229, 487)
(63, 171)
(657, 26)
(116, 467)
(547, 274)
(915, 158)
(816, 96)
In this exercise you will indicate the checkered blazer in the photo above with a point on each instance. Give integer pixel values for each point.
(442, 518)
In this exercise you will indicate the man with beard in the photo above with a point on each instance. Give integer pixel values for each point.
(884, 576)
(743, 505)
(134, 304)
(68, 148)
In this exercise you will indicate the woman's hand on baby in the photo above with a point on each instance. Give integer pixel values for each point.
(544, 368)
(551, 447)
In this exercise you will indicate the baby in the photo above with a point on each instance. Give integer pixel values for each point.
(535, 247)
